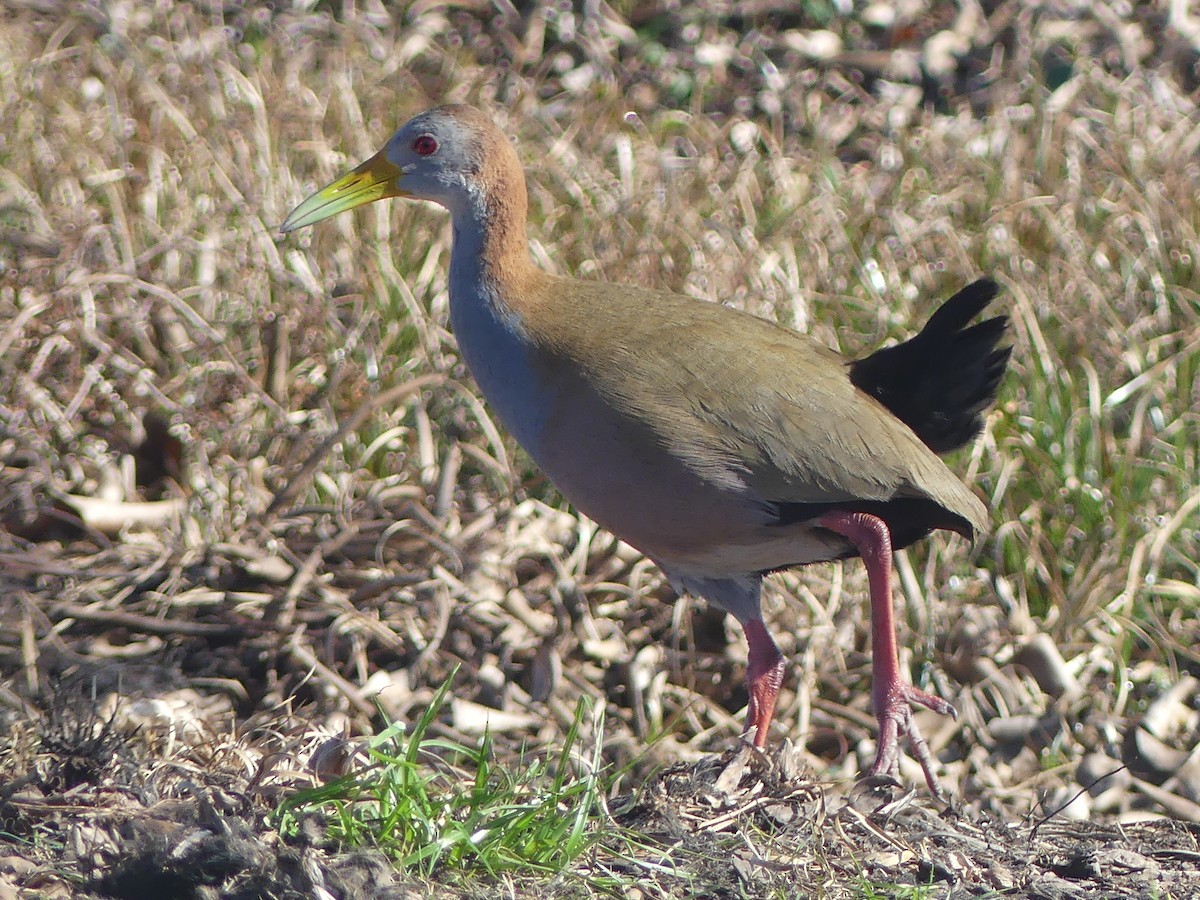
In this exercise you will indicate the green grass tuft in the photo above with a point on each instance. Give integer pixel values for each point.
(436, 805)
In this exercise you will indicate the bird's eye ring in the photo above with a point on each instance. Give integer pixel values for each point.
(425, 145)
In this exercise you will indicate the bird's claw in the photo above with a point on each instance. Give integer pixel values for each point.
(896, 716)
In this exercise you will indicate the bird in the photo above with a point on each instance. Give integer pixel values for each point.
(721, 445)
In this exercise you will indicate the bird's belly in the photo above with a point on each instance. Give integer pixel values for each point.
(615, 470)
(688, 525)
(617, 474)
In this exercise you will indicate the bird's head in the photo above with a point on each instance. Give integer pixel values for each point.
(442, 155)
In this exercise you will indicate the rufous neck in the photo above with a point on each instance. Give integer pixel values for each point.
(490, 242)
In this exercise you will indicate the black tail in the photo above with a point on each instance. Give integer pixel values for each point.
(940, 382)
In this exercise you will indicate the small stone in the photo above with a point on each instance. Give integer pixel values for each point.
(943, 51)
(1150, 758)
(331, 759)
(271, 569)
(1171, 714)
(1013, 729)
(1000, 876)
(743, 136)
(474, 718)
(91, 89)
(879, 15)
(1045, 663)
(1186, 781)
(1125, 861)
(391, 690)
(1070, 803)
(781, 813)
(16, 865)
(1052, 887)
(817, 44)
(1099, 772)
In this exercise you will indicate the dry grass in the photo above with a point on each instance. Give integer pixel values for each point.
(147, 156)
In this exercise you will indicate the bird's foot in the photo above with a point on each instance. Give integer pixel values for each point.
(764, 674)
(895, 715)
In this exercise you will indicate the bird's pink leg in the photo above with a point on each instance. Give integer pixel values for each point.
(764, 674)
(890, 694)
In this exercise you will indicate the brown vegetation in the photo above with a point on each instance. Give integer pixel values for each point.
(248, 492)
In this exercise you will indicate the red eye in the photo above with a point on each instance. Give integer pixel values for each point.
(425, 145)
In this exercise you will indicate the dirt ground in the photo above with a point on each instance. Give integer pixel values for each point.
(250, 501)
